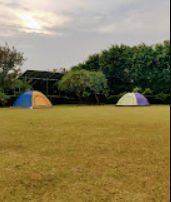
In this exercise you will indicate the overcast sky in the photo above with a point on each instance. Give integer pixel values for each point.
(62, 33)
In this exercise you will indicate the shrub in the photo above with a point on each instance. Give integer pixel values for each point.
(164, 98)
(3, 99)
(148, 91)
(159, 98)
(137, 90)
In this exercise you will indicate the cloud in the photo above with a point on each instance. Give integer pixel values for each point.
(18, 20)
(138, 23)
(57, 17)
(39, 22)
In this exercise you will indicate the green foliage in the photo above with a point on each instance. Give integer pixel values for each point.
(162, 97)
(10, 60)
(86, 94)
(126, 67)
(21, 86)
(84, 83)
(3, 99)
(97, 84)
(75, 82)
(148, 91)
(91, 64)
(121, 68)
(78, 67)
(115, 64)
(137, 90)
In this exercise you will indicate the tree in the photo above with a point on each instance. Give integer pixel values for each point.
(151, 67)
(91, 64)
(75, 82)
(98, 85)
(143, 65)
(10, 60)
(148, 91)
(126, 67)
(116, 64)
(20, 86)
(78, 67)
(161, 76)
(137, 90)
(84, 83)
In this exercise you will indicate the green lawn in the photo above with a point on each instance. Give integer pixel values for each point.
(85, 154)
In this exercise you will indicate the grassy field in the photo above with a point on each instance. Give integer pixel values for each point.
(85, 154)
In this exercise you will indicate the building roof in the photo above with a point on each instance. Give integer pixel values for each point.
(41, 75)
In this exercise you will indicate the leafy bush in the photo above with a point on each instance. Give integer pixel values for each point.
(21, 86)
(137, 90)
(3, 99)
(159, 98)
(148, 91)
(164, 98)
(84, 83)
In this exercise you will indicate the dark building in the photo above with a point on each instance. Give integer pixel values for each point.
(43, 81)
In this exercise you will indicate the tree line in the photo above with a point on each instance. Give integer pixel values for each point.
(142, 68)
(102, 77)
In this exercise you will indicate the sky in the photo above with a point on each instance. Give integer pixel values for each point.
(55, 34)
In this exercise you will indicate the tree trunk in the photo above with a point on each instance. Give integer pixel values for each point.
(79, 98)
(97, 99)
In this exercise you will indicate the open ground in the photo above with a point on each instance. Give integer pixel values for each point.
(85, 154)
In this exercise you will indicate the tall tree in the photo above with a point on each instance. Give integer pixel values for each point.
(161, 76)
(97, 85)
(143, 65)
(91, 64)
(116, 63)
(10, 60)
(127, 67)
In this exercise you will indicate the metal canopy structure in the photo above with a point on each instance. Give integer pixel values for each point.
(43, 81)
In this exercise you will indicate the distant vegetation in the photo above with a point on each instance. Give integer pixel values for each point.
(84, 83)
(144, 68)
(102, 77)
(10, 61)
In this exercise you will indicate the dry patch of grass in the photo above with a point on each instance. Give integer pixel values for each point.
(85, 154)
